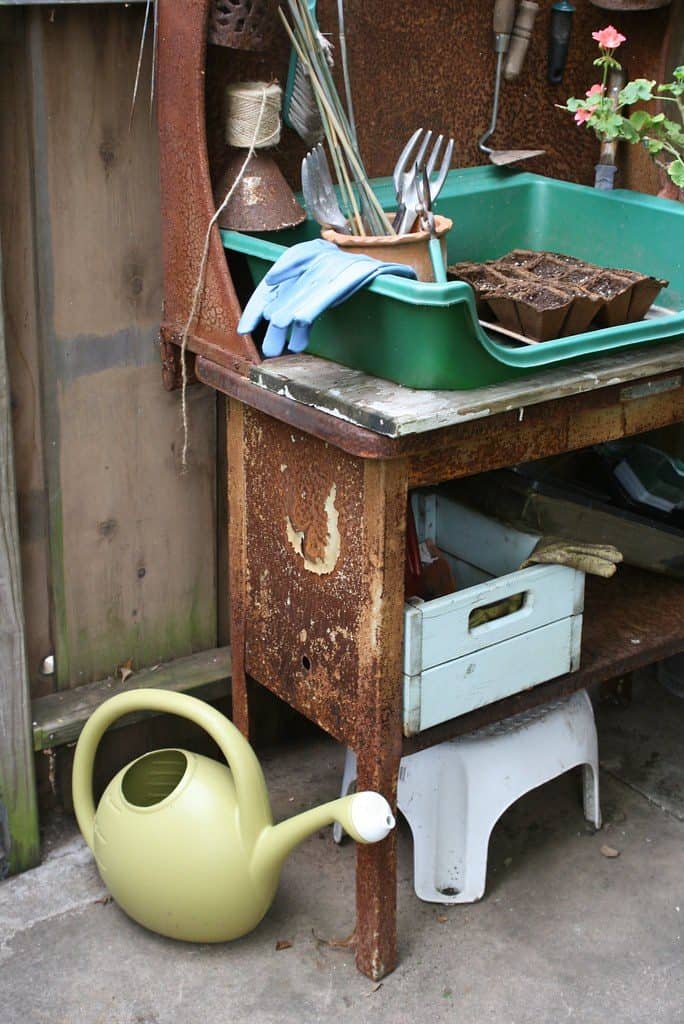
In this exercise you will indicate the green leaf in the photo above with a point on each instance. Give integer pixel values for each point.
(673, 88)
(639, 89)
(640, 119)
(654, 146)
(613, 126)
(627, 131)
(574, 104)
(676, 172)
(674, 132)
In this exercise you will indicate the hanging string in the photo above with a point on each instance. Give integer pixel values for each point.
(141, 52)
(261, 93)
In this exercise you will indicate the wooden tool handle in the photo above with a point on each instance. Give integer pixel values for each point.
(504, 16)
(520, 40)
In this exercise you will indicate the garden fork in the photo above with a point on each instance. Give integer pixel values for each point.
(427, 222)
(319, 192)
(405, 179)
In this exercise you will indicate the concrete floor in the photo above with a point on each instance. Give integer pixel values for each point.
(563, 933)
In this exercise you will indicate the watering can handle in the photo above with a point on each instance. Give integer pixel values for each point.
(252, 797)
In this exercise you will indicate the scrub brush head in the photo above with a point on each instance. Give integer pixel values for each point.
(300, 110)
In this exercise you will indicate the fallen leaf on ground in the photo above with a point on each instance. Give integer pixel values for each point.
(336, 943)
(283, 944)
(104, 900)
(442, 919)
(609, 851)
(125, 670)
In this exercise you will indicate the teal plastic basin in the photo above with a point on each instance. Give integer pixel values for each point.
(428, 335)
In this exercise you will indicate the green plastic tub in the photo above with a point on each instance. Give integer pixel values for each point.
(428, 335)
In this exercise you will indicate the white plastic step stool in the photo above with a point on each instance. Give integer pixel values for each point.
(453, 794)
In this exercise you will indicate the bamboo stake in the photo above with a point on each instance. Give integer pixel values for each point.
(338, 123)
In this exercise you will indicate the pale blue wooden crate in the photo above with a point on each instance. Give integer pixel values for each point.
(451, 667)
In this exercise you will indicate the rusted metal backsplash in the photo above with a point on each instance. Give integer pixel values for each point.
(432, 64)
(242, 24)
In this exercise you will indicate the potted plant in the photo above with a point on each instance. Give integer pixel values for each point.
(605, 115)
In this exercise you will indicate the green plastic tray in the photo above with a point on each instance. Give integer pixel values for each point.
(428, 335)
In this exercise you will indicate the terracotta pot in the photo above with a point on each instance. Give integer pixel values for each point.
(410, 249)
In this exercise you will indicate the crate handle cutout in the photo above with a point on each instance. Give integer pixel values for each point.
(494, 611)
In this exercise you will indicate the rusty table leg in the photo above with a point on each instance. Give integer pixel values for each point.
(376, 873)
(379, 707)
(317, 591)
(237, 549)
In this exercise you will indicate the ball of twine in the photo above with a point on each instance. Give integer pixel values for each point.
(249, 104)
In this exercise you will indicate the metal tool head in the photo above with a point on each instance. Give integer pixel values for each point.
(437, 182)
(501, 157)
(411, 164)
(406, 159)
(424, 208)
(319, 192)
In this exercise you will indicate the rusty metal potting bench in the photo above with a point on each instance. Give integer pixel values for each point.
(320, 463)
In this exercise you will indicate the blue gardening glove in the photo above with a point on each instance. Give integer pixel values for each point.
(306, 280)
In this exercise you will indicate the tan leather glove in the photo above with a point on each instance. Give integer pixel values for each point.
(597, 559)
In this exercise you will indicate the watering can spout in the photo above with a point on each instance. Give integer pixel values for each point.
(367, 817)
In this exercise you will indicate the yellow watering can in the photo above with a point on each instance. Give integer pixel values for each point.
(187, 845)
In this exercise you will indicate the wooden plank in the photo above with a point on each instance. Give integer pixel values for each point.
(546, 508)
(552, 593)
(59, 718)
(18, 808)
(132, 536)
(395, 411)
(19, 287)
(512, 666)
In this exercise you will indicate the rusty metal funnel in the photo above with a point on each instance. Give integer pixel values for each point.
(262, 201)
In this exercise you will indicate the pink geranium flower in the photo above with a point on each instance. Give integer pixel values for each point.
(596, 90)
(609, 38)
(582, 115)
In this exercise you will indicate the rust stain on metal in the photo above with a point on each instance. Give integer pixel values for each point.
(325, 562)
(242, 24)
(305, 570)
(261, 201)
(456, 38)
(186, 194)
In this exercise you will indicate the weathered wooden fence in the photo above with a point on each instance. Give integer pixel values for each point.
(116, 545)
